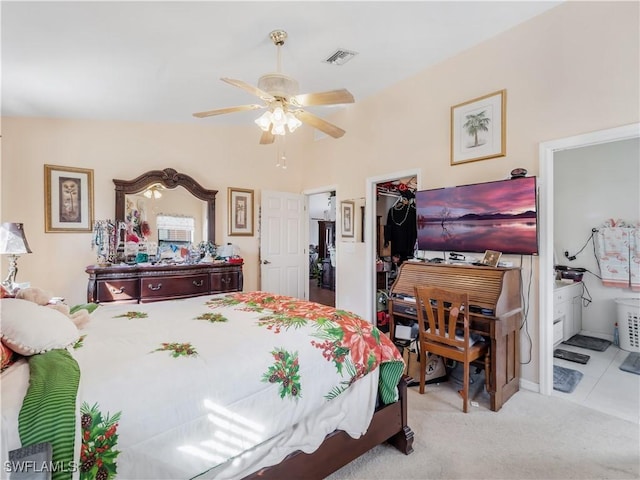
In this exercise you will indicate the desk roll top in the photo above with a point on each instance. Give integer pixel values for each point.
(495, 312)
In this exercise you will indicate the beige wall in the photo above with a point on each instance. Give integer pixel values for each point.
(571, 70)
(215, 156)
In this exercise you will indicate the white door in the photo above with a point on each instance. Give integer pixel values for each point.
(282, 244)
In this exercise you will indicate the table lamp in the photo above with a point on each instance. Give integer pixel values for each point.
(12, 243)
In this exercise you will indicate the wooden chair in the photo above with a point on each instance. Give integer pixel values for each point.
(445, 311)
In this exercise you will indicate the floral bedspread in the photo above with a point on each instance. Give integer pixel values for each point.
(210, 384)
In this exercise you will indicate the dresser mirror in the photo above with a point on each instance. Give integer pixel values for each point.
(170, 193)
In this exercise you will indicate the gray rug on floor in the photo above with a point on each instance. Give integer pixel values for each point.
(591, 343)
(571, 356)
(565, 379)
(631, 363)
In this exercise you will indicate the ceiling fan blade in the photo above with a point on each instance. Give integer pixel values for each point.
(221, 111)
(331, 97)
(319, 123)
(267, 97)
(267, 138)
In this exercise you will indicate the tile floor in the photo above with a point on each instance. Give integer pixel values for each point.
(604, 387)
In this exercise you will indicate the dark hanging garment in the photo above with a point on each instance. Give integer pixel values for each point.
(402, 229)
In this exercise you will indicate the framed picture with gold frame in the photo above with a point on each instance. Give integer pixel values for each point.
(240, 206)
(478, 128)
(491, 258)
(68, 199)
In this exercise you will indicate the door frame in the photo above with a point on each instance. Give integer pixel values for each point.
(370, 229)
(307, 193)
(546, 268)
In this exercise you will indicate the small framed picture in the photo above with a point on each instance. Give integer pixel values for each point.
(240, 205)
(491, 258)
(348, 221)
(478, 128)
(68, 199)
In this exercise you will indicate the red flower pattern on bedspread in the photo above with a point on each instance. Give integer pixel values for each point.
(342, 333)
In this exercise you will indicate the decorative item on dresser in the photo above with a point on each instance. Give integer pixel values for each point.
(495, 312)
(151, 283)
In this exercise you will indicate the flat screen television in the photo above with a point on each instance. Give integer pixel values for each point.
(500, 216)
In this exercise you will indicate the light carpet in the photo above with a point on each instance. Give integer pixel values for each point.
(532, 437)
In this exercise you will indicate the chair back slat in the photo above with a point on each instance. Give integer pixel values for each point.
(443, 310)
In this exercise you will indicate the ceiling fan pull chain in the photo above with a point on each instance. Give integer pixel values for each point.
(279, 70)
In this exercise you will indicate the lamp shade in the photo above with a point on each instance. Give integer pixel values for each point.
(12, 239)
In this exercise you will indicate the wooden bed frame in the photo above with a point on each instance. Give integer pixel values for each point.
(389, 423)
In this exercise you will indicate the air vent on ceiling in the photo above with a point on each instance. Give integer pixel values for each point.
(340, 57)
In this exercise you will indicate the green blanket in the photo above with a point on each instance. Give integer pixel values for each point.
(48, 412)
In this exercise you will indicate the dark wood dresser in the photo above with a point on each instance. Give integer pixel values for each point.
(140, 284)
(495, 313)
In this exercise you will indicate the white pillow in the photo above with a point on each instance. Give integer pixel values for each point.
(28, 328)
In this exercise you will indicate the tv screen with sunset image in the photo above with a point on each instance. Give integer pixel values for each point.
(500, 216)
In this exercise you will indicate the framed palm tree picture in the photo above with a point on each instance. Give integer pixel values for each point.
(478, 128)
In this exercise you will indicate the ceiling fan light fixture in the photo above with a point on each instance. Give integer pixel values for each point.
(264, 121)
(292, 122)
(275, 121)
(153, 192)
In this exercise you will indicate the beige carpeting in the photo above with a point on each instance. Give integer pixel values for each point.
(531, 437)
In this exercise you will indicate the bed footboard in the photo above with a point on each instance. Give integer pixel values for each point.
(389, 423)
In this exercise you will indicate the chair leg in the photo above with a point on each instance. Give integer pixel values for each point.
(423, 371)
(465, 388)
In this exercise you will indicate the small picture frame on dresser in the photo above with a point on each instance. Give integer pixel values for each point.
(491, 258)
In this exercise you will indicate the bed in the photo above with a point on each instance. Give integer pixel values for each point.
(241, 385)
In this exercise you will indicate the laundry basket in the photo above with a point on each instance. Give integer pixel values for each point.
(629, 323)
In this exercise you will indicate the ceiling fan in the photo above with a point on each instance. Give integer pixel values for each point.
(284, 104)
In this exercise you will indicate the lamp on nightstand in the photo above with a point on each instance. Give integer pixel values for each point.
(12, 243)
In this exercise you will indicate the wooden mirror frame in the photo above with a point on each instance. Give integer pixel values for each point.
(169, 178)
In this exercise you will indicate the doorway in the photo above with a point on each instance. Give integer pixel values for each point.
(321, 207)
(373, 231)
(546, 275)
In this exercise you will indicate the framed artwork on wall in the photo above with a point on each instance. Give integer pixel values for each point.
(68, 199)
(478, 128)
(348, 221)
(240, 205)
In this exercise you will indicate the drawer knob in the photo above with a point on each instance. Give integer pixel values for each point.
(156, 288)
(225, 279)
(198, 283)
(116, 291)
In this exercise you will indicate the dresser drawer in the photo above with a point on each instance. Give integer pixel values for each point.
(225, 282)
(178, 286)
(117, 290)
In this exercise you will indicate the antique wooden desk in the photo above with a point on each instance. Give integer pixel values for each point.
(495, 313)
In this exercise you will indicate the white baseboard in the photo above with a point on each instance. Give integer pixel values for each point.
(529, 385)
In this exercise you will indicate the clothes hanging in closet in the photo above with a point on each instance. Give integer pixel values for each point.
(401, 229)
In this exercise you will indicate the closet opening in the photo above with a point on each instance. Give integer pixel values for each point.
(395, 237)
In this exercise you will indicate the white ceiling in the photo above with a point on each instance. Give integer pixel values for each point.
(162, 61)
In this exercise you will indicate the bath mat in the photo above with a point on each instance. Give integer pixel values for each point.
(571, 356)
(565, 379)
(631, 363)
(591, 343)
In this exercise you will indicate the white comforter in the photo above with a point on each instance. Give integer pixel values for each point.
(215, 386)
